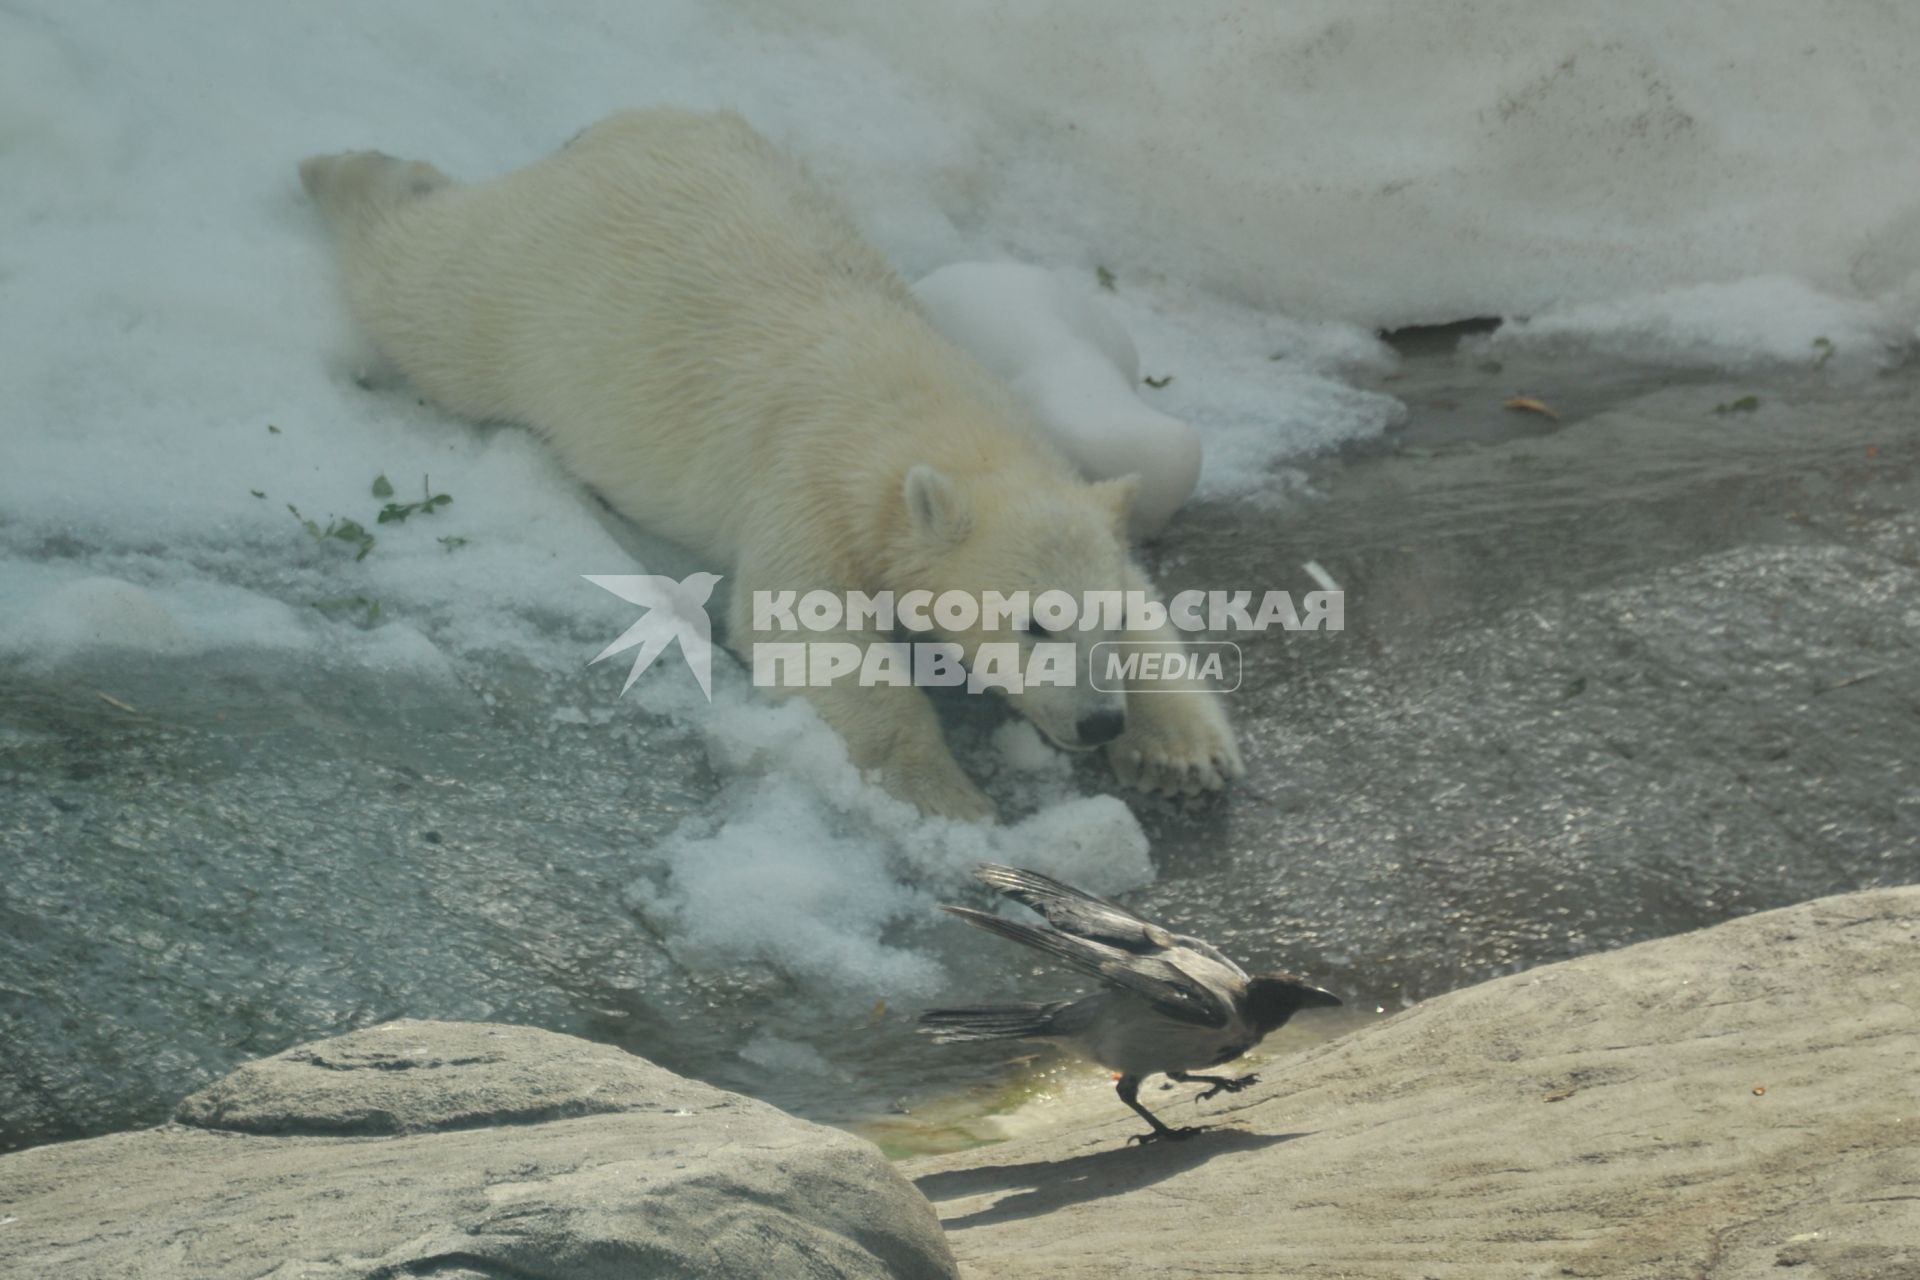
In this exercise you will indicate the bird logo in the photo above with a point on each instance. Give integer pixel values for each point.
(674, 610)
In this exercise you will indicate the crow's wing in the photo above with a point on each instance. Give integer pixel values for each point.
(1085, 915)
(1162, 985)
(1076, 911)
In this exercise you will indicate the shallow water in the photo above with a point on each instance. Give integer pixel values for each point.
(1631, 672)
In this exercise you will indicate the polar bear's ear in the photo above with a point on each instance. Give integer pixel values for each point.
(1117, 496)
(936, 508)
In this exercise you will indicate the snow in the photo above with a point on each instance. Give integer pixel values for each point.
(807, 867)
(1390, 164)
(1718, 184)
(1075, 366)
(1747, 324)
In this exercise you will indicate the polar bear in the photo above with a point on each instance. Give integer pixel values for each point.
(703, 336)
(1074, 364)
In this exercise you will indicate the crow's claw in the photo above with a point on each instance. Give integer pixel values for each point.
(1234, 1085)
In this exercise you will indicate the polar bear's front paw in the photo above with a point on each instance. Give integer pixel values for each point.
(939, 790)
(1176, 744)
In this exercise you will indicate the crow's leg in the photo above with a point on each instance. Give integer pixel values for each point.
(1129, 1089)
(1221, 1084)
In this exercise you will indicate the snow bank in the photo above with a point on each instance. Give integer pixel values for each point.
(1751, 323)
(1389, 163)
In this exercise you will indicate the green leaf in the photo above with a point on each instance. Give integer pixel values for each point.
(314, 531)
(397, 512)
(352, 531)
(1745, 404)
(1575, 687)
(1105, 277)
(452, 543)
(381, 487)
(1157, 383)
(257, 493)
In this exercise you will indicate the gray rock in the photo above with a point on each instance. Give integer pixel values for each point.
(465, 1150)
(1713, 1105)
(411, 1077)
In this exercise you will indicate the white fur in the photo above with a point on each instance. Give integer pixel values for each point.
(1071, 360)
(703, 336)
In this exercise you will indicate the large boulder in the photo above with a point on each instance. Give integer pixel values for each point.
(463, 1150)
(1717, 1105)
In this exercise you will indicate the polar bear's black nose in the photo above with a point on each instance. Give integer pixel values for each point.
(1101, 726)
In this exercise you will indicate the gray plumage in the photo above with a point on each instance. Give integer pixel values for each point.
(1170, 1002)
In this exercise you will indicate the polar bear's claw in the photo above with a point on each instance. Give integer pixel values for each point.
(1177, 746)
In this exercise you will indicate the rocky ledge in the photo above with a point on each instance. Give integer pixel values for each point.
(1710, 1106)
(465, 1151)
(1703, 1107)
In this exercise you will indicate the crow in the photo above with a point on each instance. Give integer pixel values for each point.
(1170, 1002)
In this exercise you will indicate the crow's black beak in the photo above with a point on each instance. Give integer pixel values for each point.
(1315, 998)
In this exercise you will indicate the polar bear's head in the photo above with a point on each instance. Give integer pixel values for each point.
(991, 533)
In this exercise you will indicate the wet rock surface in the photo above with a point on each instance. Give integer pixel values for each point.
(1641, 674)
(1640, 670)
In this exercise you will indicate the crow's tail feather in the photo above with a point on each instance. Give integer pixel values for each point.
(991, 1022)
